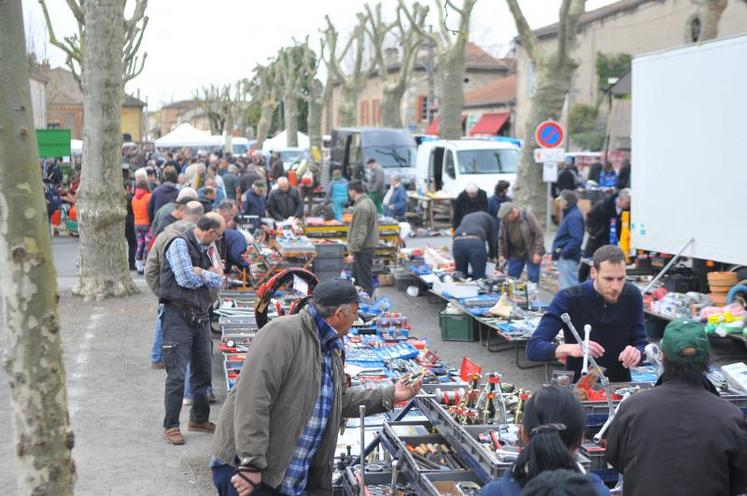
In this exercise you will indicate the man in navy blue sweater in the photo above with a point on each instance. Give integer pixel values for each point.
(612, 307)
(566, 248)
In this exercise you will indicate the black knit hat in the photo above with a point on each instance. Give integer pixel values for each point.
(335, 292)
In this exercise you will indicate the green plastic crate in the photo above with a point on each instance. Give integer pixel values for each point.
(458, 327)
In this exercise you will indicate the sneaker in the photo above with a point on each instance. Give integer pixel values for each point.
(212, 398)
(174, 436)
(157, 365)
(208, 427)
(187, 401)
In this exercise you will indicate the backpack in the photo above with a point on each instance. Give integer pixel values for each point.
(52, 198)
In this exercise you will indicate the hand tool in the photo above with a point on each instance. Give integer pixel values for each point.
(587, 334)
(598, 436)
(395, 466)
(602, 378)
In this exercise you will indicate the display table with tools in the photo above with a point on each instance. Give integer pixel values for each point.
(385, 253)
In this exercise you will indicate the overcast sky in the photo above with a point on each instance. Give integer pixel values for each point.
(193, 43)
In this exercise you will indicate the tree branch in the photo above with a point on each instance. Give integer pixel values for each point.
(436, 40)
(569, 15)
(454, 7)
(70, 51)
(526, 35)
(77, 10)
(138, 14)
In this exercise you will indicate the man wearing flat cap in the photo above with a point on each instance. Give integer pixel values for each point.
(277, 432)
(680, 437)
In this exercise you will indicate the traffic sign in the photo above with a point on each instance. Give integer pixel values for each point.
(549, 155)
(549, 134)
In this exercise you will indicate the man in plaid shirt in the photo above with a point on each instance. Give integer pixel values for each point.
(277, 431)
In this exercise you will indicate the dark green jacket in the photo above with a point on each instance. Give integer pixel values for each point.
(364, 230)
(274, 398)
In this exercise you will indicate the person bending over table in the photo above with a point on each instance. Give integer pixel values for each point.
(612, 307)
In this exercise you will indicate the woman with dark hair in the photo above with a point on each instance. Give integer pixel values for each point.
(552, 429)
(500, 196)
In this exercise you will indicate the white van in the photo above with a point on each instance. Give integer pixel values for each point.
(450, 165)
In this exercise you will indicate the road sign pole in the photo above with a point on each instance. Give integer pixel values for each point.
(549, 203)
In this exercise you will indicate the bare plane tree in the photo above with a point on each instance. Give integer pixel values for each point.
(408, 39)
(266, 91)
(552, 81)
(350, 84)
(105, 51)
(42, 438)
(451, 48)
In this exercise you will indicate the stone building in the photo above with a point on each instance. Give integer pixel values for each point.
(183, 111)
(481, 69)
(628, 26)
(65, 107)
(38, 86)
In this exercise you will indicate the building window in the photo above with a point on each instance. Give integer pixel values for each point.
(694, 28)
(363, 118)
(376, 104)
(421, 109)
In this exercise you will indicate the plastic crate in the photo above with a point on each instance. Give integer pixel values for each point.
(324, 275)
(330, 250)
(458, 327)
(322, 264)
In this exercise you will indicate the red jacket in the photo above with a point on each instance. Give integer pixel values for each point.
(140, 207)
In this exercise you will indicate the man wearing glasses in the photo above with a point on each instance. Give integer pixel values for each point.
(188, 273)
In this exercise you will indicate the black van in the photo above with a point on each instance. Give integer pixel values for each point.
(394, 149)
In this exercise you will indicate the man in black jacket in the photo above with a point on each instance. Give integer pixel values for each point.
(284, 201)
(470, 237)
(603, 223)
(680, 437)
(472, 199)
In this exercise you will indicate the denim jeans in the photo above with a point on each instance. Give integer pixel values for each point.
(516, 266)
(567, 272)
(472, 253)
(156, 353)
(186, 341)
(222, 481)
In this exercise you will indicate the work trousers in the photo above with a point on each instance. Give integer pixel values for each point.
(567, 272)
(186, 340)
(516, 267)
(470, 253)
(222, 481)
(363, 270)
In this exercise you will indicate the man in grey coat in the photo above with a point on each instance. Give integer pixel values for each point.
(277, 431)
(376, 184)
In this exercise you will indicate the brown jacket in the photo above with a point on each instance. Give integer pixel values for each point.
(531, 231)
(274, 398)
(155, 256)
(364, 229)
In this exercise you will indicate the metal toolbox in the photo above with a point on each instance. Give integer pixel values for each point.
(445, 483)
(397, 447)
(351, 486)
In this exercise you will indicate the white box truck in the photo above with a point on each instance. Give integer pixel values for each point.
(689, 143)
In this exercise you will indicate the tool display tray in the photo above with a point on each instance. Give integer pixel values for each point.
(740, 400)
(469, 450)
(397, 446)
(351, 487)
(429, 483)
(472, 433)
(596, 454)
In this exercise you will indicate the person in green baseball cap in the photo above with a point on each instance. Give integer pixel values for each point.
(680, 437)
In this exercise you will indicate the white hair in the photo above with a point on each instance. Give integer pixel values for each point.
(471, 188)
(141, 174)
(282, 180)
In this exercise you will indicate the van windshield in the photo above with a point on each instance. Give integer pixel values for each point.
(391, 156)
(488, 161)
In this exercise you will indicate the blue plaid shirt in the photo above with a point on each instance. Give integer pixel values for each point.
(296, 476)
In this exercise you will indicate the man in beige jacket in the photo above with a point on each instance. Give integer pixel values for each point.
(277, 431)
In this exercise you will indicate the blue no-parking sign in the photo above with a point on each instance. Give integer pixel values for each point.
(549, 134)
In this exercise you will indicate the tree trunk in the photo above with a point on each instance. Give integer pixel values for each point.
(265, 119)
(314, 114)
(712, 11)
(327, 102)
(290, 113)
(103, 269)
(553, 81)
(451, 102)
(349, 105)
(33, 359)
(391, 105)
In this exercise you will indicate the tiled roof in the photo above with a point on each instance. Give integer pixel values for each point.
(55, 96)
(131, 101)
(501, 90)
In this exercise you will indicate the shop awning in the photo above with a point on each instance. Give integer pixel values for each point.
(435, 126)
(490, 123)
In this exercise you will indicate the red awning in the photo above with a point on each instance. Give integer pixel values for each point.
(490, 123)
(435, 126)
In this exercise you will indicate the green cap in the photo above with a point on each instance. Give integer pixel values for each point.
(682, 334)
(259, 184)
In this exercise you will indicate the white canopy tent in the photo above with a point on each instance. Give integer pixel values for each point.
(280, 142)
(185, 135)
(76, 147)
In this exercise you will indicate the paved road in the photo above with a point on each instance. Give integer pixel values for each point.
(116, 400)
